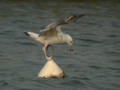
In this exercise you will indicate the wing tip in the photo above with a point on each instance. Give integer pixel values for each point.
(78, 15)
(73, 17)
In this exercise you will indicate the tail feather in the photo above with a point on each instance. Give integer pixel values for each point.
(26, 33)
(32, 35)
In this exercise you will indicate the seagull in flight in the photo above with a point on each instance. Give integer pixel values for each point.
(52, 34)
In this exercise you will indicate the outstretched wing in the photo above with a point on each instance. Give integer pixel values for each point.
(64, 21)
(48, 32)
(51, 29)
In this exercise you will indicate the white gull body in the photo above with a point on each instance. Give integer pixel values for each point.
(52, 34)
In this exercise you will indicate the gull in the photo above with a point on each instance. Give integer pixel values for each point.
(52, 34)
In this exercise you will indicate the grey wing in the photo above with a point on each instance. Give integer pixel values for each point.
(52, 28)
(64, 21)
(48, 32)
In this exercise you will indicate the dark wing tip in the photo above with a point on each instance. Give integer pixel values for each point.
(80, 15)
(26, 33)
(77, 15)
(74, 16)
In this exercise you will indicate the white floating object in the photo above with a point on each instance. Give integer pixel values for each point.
(51, 69)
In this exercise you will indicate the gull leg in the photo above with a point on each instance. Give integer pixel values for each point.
(44, 48)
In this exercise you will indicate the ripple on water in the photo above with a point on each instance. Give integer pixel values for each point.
(116, 61)
(73, 83)
(95, 67)
(3, 83)
(90, 40)
(26, 43)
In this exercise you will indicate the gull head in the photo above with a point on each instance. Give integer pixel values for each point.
(69, 42)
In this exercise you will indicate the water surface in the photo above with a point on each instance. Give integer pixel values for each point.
(95, 62)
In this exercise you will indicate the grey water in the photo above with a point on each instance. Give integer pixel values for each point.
(93, 65)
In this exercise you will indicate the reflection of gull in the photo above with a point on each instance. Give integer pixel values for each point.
(52, 34)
